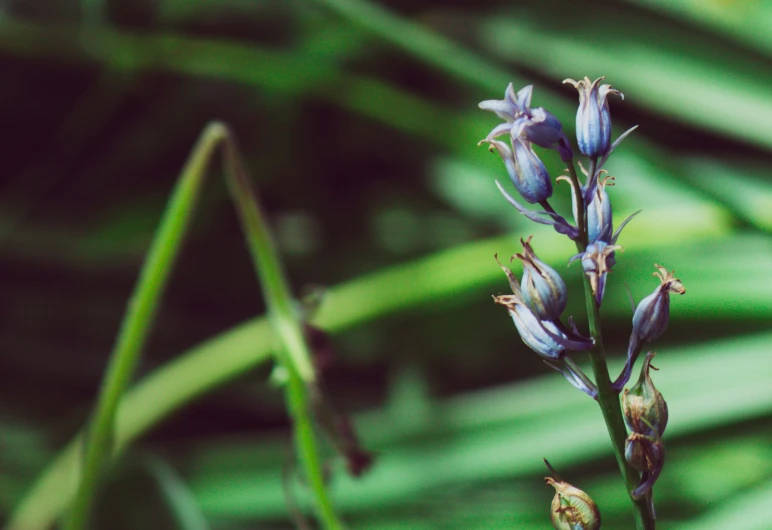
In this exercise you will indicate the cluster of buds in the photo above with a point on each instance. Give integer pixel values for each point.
(646, 416)
(538, 301)
(536, 305)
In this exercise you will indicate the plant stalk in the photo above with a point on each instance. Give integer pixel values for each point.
(608, 400)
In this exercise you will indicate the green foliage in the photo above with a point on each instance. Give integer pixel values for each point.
(359, 120)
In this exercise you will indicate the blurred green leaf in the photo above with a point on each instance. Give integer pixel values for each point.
(177, 494)
(746, 22)
(505, 432)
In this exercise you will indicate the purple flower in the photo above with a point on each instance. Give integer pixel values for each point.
(593, 120)
(526, 126)
(521, 121)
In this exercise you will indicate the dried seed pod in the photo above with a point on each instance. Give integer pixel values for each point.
(572, 509)
(646, 454)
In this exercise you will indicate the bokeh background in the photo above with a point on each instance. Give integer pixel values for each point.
(359, 123)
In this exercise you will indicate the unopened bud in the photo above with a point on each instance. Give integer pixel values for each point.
(653, 312)
(645, 408)
(593, 120)
(572, 509)
(544, 291)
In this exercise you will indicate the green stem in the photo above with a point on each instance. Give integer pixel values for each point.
(293, 354)
(608, 400)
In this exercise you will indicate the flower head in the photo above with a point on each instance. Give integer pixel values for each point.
(521, 121)
(593, 119)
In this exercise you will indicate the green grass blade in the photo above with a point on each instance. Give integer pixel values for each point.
(136, 325)
(293, 353)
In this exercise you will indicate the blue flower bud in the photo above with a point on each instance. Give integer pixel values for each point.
(653, 312)
(599, 219)
(593, 120)
(525, 169)
(544, 291)
(644, 407)
(649, 321)
(532, 331)
(531, 178)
